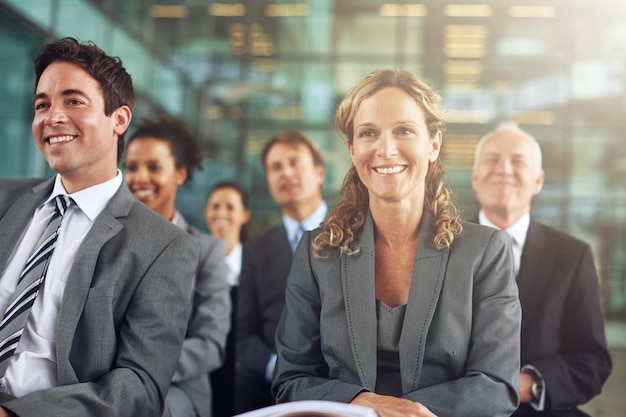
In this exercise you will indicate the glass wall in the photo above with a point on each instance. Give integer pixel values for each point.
(238, 71)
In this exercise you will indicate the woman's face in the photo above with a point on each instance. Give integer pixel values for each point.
(225, 213)
(391, 147)
(151, 174)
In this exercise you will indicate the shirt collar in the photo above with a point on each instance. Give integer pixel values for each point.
(91, 200)
(518, 230)
(309, 223)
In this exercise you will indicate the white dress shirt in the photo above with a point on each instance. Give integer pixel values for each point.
(233, 261)
(33, 365)
(517, 231)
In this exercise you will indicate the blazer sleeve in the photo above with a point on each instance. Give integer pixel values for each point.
(582, 363)
(490, 381)
(301, 371)
(203, 348)
(151, 335)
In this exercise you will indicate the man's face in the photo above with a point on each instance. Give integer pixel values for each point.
(70, 127)
(507, 174)
(292, 177)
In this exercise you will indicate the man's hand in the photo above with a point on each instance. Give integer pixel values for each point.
(388, 406)
(523, 389)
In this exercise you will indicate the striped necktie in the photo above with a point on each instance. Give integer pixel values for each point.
(29, 283)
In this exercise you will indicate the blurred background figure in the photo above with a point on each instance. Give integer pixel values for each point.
(565, 360)
(161, 156)
(227, 213)
(294, 170)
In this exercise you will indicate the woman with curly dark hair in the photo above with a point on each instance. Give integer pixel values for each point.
(394, 303)
(161, 156)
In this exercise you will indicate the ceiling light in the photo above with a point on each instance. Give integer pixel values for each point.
(287, 10)
(467, 10)
(409, 10)
(227, 9)
(168, 12)
(532, 11)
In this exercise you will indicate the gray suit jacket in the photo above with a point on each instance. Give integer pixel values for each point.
(124, 312)
(460, 337)
(209, 321)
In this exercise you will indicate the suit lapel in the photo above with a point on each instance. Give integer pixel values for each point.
(536, 264)
(18, 216)
(357, 275)
(79, 280)
(426, 283)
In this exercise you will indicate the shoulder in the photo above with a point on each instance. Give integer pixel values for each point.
(554, 234)
(19, 186)
(474, 232)
(274, 234)
(151, 230)
(207, 242)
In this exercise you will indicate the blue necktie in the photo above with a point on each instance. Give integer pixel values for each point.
(30, 281)
(297, 238)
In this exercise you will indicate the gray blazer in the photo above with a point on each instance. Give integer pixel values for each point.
(209, 321)
(124, 312)
(459, 349)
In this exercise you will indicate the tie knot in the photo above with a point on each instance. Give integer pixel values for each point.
(63, 202)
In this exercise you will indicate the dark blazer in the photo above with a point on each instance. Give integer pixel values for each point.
(124, 311)
(209, 320)
(459, 339)
(562, 326)
(266, 260)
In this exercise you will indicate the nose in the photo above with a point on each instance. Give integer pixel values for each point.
(55, 115)
(387, 146)
(505, 166)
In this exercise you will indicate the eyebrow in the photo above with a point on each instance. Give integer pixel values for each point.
(68, 92)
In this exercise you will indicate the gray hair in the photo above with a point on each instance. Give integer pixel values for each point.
(512, 127)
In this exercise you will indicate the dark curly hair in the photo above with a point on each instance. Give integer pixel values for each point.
(115, 82)
(185, 146)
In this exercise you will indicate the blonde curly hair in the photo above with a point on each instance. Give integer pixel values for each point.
(348, 216)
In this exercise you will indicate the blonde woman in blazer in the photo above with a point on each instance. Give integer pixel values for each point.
(394, 303)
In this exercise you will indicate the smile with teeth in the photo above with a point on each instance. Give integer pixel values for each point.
(141, 194)
(59, 139)
(390, 170)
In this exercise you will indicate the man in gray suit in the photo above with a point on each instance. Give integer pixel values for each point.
(105, 330)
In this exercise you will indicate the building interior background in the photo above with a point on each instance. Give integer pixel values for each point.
(238, 71)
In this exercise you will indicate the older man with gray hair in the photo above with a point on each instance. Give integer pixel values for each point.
(564, 356)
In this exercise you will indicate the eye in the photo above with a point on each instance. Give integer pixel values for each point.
(154, 167)
(41, 105)
(404, 131)
(74, 102)
(130, 167)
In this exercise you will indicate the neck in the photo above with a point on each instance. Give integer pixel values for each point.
(300, 211)
(396, 225)
(502, 219)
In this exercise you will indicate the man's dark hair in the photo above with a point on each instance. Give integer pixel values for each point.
(115, 83)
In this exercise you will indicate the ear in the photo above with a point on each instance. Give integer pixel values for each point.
(435, 146)
(181, 175)
(246, 216)
(122, 117)
(539, 182)
(320, 174)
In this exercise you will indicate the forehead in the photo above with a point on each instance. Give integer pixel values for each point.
(509, 143)
(281, 151)
(389, 102)
(148, 147)
(61, 76)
